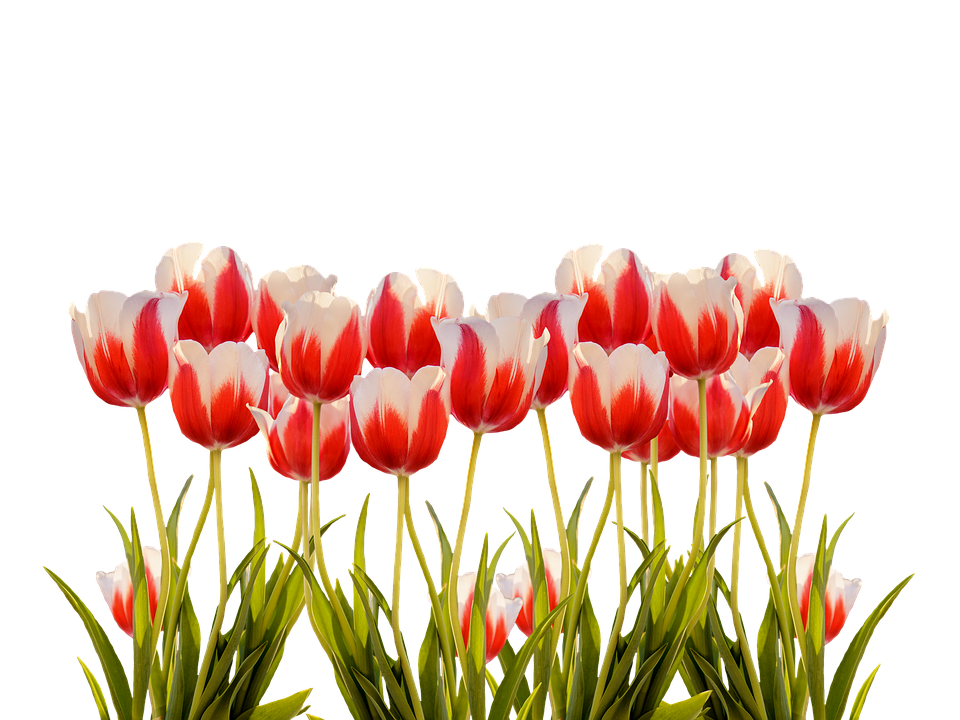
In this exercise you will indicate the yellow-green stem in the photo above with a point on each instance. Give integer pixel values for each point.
(795, 542)
(644, 530)
(402, 488)
(713, 518)
(166, 573)
(287, 568)
(317, 543)
(452, 599)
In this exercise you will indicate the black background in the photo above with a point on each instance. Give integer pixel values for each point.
(862, 460)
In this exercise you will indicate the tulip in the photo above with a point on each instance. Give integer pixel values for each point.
(519, 585)
(275, 289)
(398, 424)
(667, 447)
(768, 365)
(501, 614)
(834, 351)
(321, 343)
(777, 279)
(618, 310)
(557, 314)
(697, 321)
(290, 437)
(729, 412)
(210, 392)
(398, 321)
(495, 369)
(221, 293)
(839, 595)
(618, 401)
(124, 344)
(117, 588)
(276, 395)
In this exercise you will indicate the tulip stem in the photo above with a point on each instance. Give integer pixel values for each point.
(317, 543)
(714, 481)
(452, 599)
(561, 527)
(403, 484)
(644, 530)
(161, 529)
(287, 568)
(792, 596)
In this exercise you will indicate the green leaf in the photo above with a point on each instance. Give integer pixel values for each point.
(173, 520)
(446, 554)
(862, 696)
(659, 538)
(775, 698)
(786, 535)
(684, 710)
(508, 659)
(128, 552)
(833, 546)
(526, 709)
(98, 693)
(285, 709)
(543, 654)
(361, 630)
(573, 523)
(527, 549)
(732, 666)
(816, 626)
(475, 660)
(142, 625)
(428, 668)
(220, 708)
(112, 668)
(843, 678)
(259, 535)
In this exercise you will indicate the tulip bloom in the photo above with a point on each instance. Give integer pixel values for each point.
(117, 588)
(840, 595)
(275, 289)
(698, 320)
(221, 293)
(667, 448)
(728, 414)
(777, 279)
(557, 314)
(398, 424)
(290, 438)
(124, 344)
(618, 401)
(398, 321)
(618, 310)
(834, 351)
(210, 393)
(501, 614)
(519, 585)
(767, 366)
(276, 395)
(320, 344)
(495, 369)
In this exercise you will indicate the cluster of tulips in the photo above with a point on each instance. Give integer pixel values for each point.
(701, 362)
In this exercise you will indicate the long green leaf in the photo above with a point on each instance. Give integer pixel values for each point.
(446, 554)
(786, 534)
(285, 709)
(112, 668)
(843, 678)
(573, 523)
(816, 627)
(365, 660)
(684, 710)
(173, 520)
(142, 625)
(97, 692)
(862, 695)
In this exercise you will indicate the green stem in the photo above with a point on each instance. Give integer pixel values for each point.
(795, 542)
(317, 543)
(452, 599)
(644, 530)
(165, 574)
(714, 481)
(287, 569)
(561, 533)
(403, 484)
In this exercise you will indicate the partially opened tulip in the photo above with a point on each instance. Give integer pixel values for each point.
(698, 322)
(834, 351)
(275, 289)
(501, 614)
(289, 437)
(618, 309)
(220, 293)
(768, 365)
(276, 395)
(398, 424)
(210, 392)
(776, 278)
(839, 596)
(124, 344)
(519, 585)
(320, 344)
(398, 319)
(117, 588)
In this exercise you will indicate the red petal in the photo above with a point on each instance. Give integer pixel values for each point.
(588, 409)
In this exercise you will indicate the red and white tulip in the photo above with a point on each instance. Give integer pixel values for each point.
(276, 395)
(834, 351)
(398, 424)
(124, 344)
(494, 368)
(220, 293)
(117, 588)
(839, 595)
(500, 617)
(290, 437)
(618, 401)
(667, 448)
(618, 309)
(210, 392)
(519, 585)
(321, 344)
(698, 322)
(275, 289)
(777, 278)
(398, 320)
(768, 365)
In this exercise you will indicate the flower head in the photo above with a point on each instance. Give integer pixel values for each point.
(117, 588)
(501, 614)
(519, 585)
(839, 595)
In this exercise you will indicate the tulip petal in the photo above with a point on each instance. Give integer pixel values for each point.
(429, 413)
